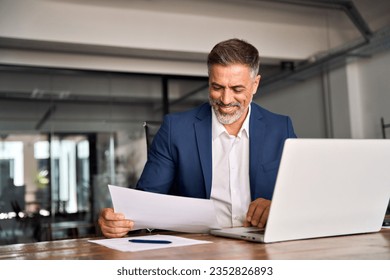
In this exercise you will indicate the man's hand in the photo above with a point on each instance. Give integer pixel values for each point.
(114, 224)
(258, 212)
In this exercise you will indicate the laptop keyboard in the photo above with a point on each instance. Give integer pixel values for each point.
(257, 231)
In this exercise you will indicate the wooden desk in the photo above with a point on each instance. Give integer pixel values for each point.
(73, 228)
(375, 246)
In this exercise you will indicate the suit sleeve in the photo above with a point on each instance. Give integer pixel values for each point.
(290, 129)
(159, 171)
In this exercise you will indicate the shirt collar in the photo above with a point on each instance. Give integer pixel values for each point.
(218, 128)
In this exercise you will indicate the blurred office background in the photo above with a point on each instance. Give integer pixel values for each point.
(78, 78)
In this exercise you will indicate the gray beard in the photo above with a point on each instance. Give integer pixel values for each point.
(226, 118)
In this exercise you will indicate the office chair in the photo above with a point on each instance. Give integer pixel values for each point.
(151, 128)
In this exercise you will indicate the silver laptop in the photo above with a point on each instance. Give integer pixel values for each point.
(325, 187)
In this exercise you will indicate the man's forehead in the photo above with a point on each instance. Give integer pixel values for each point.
(229, 75)
(237, 67)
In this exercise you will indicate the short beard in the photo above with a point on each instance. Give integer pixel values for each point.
(226, 118)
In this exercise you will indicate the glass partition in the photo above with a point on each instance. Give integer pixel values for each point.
(66, 134)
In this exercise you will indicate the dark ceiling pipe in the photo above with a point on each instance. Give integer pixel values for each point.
(347, 6)
(320, 62)
(45, 117)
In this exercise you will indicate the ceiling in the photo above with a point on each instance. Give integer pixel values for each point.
(332, 24)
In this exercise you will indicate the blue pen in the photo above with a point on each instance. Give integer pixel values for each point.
(150, 241)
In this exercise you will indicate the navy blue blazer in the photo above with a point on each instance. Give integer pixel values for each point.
(180, 157)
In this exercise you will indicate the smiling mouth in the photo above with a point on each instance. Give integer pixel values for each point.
(227, 108)
(226, 113)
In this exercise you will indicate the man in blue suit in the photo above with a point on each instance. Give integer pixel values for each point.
(227, 150)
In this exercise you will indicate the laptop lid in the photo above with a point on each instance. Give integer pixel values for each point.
(326, 187)
(329, 187)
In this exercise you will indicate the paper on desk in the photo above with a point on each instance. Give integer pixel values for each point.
(123, 244)
(160, 211)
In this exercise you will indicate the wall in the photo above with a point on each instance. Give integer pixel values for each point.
(339, 103)
(370, 79)
(303, 102)
(86, 101)
(346, 102)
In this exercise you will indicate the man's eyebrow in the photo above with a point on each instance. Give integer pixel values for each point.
(219, 85)
(216, 84)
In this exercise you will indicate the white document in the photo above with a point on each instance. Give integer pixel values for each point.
(160, 211)
(124, 244)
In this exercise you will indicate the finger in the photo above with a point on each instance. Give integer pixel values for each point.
(116, 224)
(114, 233)
(115, 229)
(262, 220)
(247, 224)
(110, 215)
(255, 221)
(261, 206)
(117, 232)
(251, 210)
(264, 217)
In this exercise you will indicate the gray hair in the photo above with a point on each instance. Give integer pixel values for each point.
(235, 51)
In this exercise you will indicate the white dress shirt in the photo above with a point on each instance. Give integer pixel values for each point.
(230, 189)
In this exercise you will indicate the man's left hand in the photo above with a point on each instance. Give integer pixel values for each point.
(258, 212)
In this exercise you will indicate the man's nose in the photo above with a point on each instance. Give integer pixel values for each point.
(226, 97)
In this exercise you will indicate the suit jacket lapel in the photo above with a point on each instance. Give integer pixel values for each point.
(203, 139)
(256, 136)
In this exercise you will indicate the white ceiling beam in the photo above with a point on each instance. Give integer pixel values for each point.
(142, 33)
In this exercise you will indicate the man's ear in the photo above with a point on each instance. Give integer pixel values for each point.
(256, 84)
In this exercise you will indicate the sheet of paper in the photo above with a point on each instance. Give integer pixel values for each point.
(124, 245)
(160, 211)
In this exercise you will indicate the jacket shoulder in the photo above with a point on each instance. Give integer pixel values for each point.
(261, 112)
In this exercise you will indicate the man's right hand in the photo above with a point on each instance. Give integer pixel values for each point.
(114, 225)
